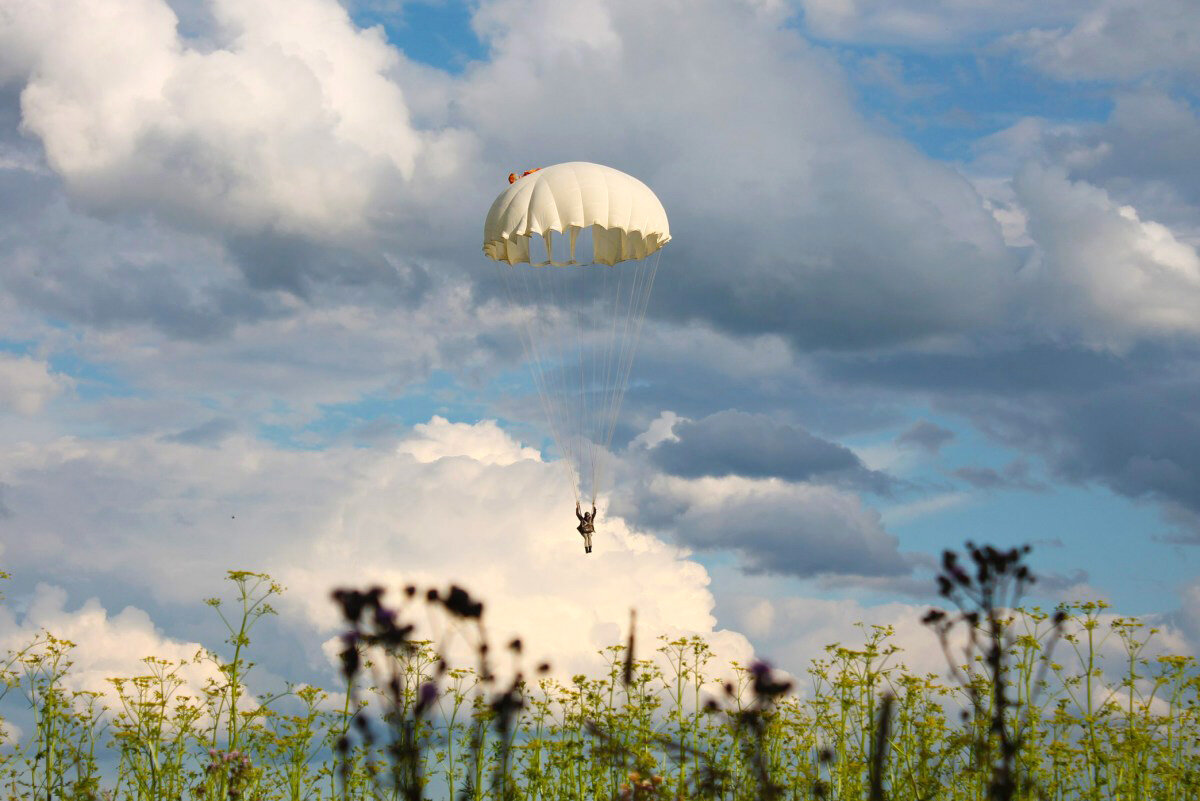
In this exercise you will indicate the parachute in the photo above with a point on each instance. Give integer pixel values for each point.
(577, 246)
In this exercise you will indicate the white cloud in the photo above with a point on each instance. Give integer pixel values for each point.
(797, 224)
(294, 121)
(764, 229)
(282, 368)
(1103, 272)
(778, 527)
(1119, 39)
(792, 631)
(172, 518)
(928, 21)
(484, 442)
(289, 123)
(27, 384)
(104, 646)
(661, 429)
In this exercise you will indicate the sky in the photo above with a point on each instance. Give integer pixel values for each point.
(933, 278)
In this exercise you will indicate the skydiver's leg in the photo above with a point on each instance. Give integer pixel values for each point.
(587, 542)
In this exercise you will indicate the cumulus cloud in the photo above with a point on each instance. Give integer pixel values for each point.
(207, 433)
(1104, 271)
(289, 122)
(60, 263)
(926, 436)
(783, 225)
(1147, 154)
(331, 192)
(1119, 39)
(776, 527)
(754, 446)
(104, 645)
(27, 384)
(1123, 420)
(1013, 476)
(449, 503)
(794, 630)
(296, 124)
(928, 21)
(483, 442)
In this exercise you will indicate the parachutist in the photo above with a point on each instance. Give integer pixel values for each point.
(597, 216)
(587, 526)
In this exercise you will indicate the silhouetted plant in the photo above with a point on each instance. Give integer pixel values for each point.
(987, 597)
(381, 641)
(412, 725)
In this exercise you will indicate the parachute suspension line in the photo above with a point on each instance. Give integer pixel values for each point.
(587, 368)
(601, 364)
(640, 300)
(554, 298)
(517, 278)
(610, 374)
(536, 283)
(603, 338)
(629, 309)
(650, 266)
(601, 374)
(581, 313)
(611, 350)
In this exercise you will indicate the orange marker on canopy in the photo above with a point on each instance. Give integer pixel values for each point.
(512, 176)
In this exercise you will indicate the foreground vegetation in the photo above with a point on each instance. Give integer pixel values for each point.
(1034, 705)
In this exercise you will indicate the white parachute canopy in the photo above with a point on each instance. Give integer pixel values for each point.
(577, 246)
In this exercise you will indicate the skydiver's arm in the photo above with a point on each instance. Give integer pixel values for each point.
(578, 513)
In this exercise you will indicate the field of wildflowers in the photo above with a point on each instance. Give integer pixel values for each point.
(1032, 705)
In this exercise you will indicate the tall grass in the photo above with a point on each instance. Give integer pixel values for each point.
(1034, 704)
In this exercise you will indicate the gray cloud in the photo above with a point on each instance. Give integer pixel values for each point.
(208, 433)
(736, 443)
(925, 435)
(1146, 154)
(1126, 422)
(922, 585)
(1151, 135)
(912, 586)
(795, 534)
(117, 272)
(1121, 40)
(144, 517)
(922, 22)
(801, 233)
(774, 526)
(842, 238)
(327, 273)
(1142, 444)
(1036, 366)
(1013, 476)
